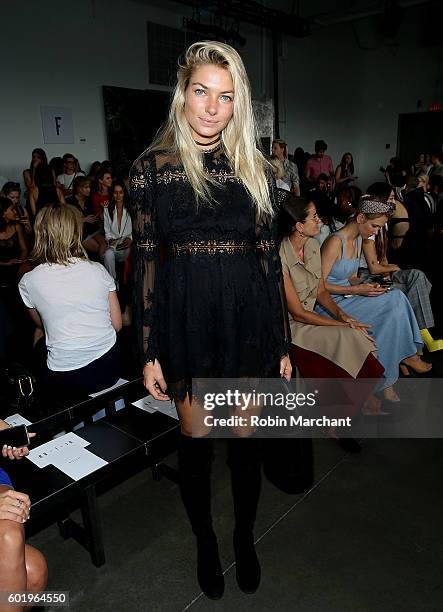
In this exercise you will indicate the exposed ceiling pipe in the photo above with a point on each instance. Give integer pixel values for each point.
(374, 8)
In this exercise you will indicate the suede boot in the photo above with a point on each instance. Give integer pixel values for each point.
(195, 458)
(244, 460)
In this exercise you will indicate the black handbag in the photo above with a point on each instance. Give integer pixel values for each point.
(288, 464)
(288, 461)
(18, 385)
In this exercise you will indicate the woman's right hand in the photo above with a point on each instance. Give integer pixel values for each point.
(14, 506)
(369, 289)
(154, 380)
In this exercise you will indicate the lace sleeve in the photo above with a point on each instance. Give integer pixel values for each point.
(267, 251)
(145, 263)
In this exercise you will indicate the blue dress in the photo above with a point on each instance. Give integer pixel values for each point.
(4, 478)
(394, 326)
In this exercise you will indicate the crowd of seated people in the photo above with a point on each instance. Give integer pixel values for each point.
(48, 280)
(335, 346)
(405, 250)
(59, 181)
(378, 263)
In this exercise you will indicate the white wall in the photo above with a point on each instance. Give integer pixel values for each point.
(396, 78)
(61, 55)
(320, 97)
(352, 97)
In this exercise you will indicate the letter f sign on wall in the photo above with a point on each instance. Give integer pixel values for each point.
(57, 124)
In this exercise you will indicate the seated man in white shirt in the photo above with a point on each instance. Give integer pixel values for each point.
(71, 171)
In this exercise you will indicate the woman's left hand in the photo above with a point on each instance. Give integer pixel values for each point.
(285, 368)
(352, 322)
(363, 327)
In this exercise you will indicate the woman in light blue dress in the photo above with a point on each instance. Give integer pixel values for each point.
(392, 320)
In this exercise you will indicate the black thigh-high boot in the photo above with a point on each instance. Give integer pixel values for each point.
(195, 459)
(244, 460)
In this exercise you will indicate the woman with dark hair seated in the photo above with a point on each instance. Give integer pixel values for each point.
(100, 190)
(13, 191)
(337, 347)
(38, 158)
(56, 165)
(344, 173)
(22, 567)
(44, 190)
(13, 249)
(74, 300)
(333, 219)
(118, 228)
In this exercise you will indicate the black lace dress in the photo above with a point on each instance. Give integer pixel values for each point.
(208, 281)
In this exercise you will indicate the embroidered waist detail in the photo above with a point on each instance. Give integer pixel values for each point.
(209, 247)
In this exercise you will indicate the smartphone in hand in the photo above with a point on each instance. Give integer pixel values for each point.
(14, 436)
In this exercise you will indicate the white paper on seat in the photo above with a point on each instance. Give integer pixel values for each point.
(144, 404)
(17, 419)
(119, 383)
(77, 462)
(149, 404)
(45, 454)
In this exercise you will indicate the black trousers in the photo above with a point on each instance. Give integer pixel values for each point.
(78, 384)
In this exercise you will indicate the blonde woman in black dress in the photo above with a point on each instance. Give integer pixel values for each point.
(216, 308)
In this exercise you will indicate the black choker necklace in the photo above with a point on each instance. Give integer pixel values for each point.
(207, 144)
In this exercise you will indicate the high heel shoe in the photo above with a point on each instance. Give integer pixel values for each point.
(431, 344)
(414, 365)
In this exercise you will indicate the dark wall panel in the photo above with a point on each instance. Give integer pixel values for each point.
(132, 117)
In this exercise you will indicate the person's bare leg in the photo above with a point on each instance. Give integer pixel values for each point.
(36, 570)
(12, 560)
(191, 415)
(91, 245)
(102, 244)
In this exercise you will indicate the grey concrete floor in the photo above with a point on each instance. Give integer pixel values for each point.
(368, 536)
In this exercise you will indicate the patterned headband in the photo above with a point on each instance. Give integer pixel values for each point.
(374, 207)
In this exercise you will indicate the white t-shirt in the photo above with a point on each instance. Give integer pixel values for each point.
(73, 303)
(67, 180)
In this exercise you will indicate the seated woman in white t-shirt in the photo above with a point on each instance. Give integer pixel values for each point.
(118, 227)
(73, 300)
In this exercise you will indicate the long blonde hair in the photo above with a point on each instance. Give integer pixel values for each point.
(239, 138)
(58, 235)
